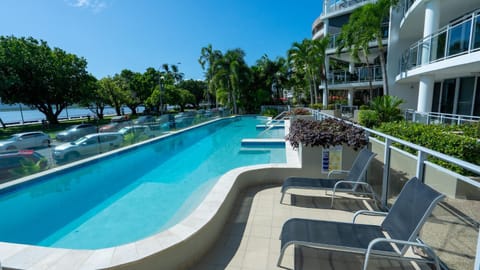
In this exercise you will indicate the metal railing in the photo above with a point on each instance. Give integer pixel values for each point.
(406, 4)
(334, 38)
(454, 229)
(337, 5)
(439, 118)
(360, 75)
(458, 38)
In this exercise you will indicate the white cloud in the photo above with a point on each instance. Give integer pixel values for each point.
(95, 5)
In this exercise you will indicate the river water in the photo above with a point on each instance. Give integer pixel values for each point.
(15, 115)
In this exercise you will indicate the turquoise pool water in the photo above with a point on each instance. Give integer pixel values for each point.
(130, 195)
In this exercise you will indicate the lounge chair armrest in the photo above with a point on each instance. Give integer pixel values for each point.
(330, 173)
(368, 213)
(401, 242)
(350, 182)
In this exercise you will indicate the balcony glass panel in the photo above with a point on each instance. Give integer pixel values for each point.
(437, 51)
(476, 37)
(459, 37)
(412, 58)
(476, 110)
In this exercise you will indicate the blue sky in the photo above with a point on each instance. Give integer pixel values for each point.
(135, 34)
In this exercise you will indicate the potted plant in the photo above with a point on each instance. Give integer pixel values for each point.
(300, 113)
(315, 138)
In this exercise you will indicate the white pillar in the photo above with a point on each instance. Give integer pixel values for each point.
(325, 27)
(425, 94)
(431, 24)
(351, 67)
(327, 70)
(350, 97)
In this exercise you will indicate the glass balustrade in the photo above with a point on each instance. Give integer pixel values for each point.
(359, 75)
(458, 38)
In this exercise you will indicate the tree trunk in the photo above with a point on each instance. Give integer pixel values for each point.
(133, 108)
(315, 90)
(325, 102)
(384, 69)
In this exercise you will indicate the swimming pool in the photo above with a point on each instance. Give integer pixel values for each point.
(129, 195)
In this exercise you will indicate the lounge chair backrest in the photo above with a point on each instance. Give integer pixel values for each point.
(410, 210)
(360, 165)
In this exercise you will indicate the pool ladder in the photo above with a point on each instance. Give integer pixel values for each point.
(271, 123)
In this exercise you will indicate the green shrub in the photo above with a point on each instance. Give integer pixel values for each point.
(388, 108)
(299, 111)
(439, 138)
(316, 106)
(270, 112)
(364, 107)
(29, 167)
(368, 118)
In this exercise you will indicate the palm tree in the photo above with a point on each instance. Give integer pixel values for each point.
(207, 60)
(388, 108)
(309, 57)
(319, 49)
(172, 72)
(231, 76)
(363, 27)
(298, 58)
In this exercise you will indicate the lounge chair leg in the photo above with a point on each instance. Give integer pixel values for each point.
(280, 258)
(281, 198)
(333, 197)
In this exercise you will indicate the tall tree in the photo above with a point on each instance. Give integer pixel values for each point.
(305, 58)
(135, 88)
(231, 77)
(94, 100)
(208, 59)
(47, 79)
(364, 26)
(109, 90)
(319, 49)
(196, 87)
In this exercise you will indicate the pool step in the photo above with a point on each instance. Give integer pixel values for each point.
(263, 142)
(270, 126)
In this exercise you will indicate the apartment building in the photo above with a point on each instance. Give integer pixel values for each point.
(433, 58)
(434, 55)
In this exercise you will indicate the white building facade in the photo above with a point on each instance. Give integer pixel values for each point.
(433, 57)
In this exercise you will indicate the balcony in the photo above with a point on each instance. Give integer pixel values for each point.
(334, 38)
(405, 5)
(458, 38)
(338, 5)
(360, 75)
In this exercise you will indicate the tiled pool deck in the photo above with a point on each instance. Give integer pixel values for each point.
(250, 240)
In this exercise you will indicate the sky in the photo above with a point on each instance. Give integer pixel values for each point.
(113, 35)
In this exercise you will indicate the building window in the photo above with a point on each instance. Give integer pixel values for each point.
(464, 103)
(448, 96)
(437, 90)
